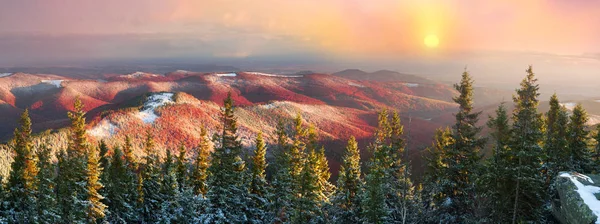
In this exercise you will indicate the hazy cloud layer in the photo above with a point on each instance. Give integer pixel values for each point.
(379, 29)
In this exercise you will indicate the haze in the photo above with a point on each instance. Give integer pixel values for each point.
(495, 39)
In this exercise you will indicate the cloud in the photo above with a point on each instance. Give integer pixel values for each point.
(341, 28)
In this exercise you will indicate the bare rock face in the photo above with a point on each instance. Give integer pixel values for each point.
(575, 199)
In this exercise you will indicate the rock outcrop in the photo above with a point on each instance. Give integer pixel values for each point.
(575, 198)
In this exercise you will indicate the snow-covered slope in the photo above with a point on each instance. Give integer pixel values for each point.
(148, 115)
(586, 192)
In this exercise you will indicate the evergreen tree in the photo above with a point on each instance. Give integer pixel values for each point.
(307, 206)
(72, 171)
(375, 208)
(181, 168)
(349, 186)
(227, 190)
(46, 198)
(497, 178)
(95, 208)
(596, 150)
(200, 167)
(151, 183)
(128, 154)
(578, 141)
(462, 157)
(435, 179)
(22, 181)
(283, 187)
(527, 181)
(121, 190)
(169, 190)
(258, 183)
(555, 144)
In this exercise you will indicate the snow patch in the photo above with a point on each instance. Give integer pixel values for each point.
(411, 85)
(140, 74)
(226, 74)
(5, 74)
(103, 129)
(569, 105)
(597, 101)
(182, 71)
(56, 82)
(356, 84)
(586, 192)
(148, 115)
(274, 75)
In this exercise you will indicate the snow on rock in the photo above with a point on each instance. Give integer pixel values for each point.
(586, 192)
(232, 74)
(274, 75)
(56, 82)
(103, 129)
(148, 115)
(5, 74)
(356, 85)
(272, 105)
(411, 85)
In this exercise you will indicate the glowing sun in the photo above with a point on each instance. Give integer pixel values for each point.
(431, 41)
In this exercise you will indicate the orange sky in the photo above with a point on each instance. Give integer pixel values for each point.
(343, 28)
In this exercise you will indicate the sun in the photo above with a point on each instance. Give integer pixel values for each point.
(431, 41)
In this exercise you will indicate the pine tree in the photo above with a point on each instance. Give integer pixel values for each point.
(497, 178)
(169, 190)
(462, 156)
(349, 186)
(95, 208)
(121, 190)
(22, 181)
(151, 183)
(227, 190)
(555, 144)
(578, 141)
(259, 165)
(46, 198)
(258, 183)
(283, 187)
(128, 153)
(200, 167)
(435, 180)
(596, 150)
(375, 208)
(527, 180)
(181, 168)
(307, 206)
(72, 171)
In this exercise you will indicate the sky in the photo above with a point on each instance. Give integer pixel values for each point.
(42, 31)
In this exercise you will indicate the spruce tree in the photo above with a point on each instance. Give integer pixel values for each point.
(227, 192)
(283, 187)
(46, 197)
(22, 181)
(596, 149)
(527, 180)
(349, 186)
(578, 141)
(151, 183)
(200, 167)
(497, 179)
(462, 156)
(72, 192)
(258, 183)
(95, 208)
(375, 208)
(307, 205)
(121, 190)
(181, 168)
(435, 179)
(555, 144)
(169, 190)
